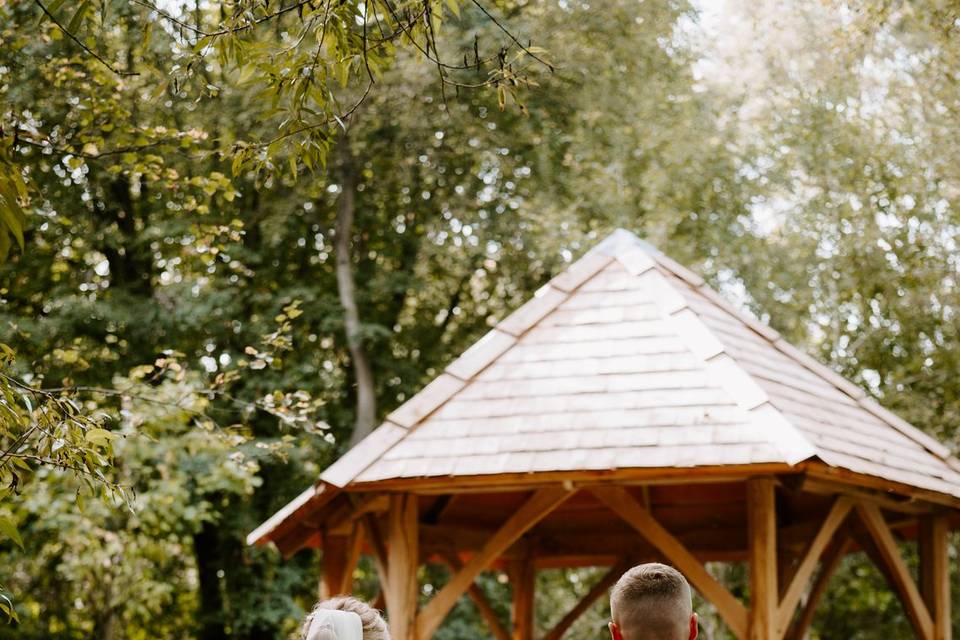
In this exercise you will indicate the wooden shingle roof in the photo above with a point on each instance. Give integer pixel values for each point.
(628, 360)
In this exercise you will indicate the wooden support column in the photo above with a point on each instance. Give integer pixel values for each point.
(523, 576)
(402, 561)
(335, 552)
(762, 521)
(935, 573)
(374, 533)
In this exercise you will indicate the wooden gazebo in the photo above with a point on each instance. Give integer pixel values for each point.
(628, 413)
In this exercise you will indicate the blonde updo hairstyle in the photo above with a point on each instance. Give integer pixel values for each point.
(374, 627)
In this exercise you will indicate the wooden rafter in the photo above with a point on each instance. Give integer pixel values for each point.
(885, 499)
(479, 598)
(828, 566)
(897, 568)
(372, 528)
(595, 593)
(538, 506)
(353, 558)
(804, 571)
(624, 505)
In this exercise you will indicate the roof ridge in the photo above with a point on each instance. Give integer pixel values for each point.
(725, 371)
(772, 336)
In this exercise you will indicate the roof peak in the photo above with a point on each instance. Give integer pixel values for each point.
(621, 240)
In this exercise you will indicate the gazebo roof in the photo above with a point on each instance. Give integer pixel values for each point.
(627, 362)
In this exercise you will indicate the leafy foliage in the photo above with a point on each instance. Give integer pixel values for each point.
(176, 296)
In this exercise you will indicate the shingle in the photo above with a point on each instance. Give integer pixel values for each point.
(628, 360)
(482, 353)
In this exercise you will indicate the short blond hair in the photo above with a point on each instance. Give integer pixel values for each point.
(654, 596)
(374, 627)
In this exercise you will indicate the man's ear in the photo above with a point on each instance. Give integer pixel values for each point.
(693, 627)
(615, 631)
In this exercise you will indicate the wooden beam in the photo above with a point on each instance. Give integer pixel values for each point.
(353, 558)
(804, 571)
(402, 561)
(538, 506)
(372, 528)
(828, 566)
(479, 598)
(523, 481)
(523, 576)
(820, 470)
(596, 592)
(885, 499)
(624, 505)
(335, 552)
(762, 527)
(935, 573)
(900, 574)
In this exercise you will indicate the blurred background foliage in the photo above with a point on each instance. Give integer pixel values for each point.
(180, 362)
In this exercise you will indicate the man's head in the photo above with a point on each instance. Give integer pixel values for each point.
(652, 602)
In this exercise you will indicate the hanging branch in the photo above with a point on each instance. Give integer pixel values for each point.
(80, 44)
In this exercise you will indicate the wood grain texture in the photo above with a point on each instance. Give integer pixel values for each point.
(935, 573)
(762, 537)
(523, 579)
(403, 559)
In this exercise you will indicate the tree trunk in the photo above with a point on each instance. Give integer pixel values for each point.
(363, 371)
(210, 617)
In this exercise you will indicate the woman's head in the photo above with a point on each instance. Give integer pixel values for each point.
(374, 627)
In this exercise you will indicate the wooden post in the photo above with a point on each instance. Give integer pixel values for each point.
(402, 561)
(762, 520)
(523, 575)
(335, 552)
(935, 573)
(340, 557)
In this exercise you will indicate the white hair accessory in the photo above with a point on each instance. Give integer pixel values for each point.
(332, 624)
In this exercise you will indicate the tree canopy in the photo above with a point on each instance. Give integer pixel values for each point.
(234, 235)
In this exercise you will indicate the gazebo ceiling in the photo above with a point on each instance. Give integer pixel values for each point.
(628, 365)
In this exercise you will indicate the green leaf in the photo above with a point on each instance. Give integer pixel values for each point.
(98, 436)
(9, 529)
(78, 16)
(6, 607)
